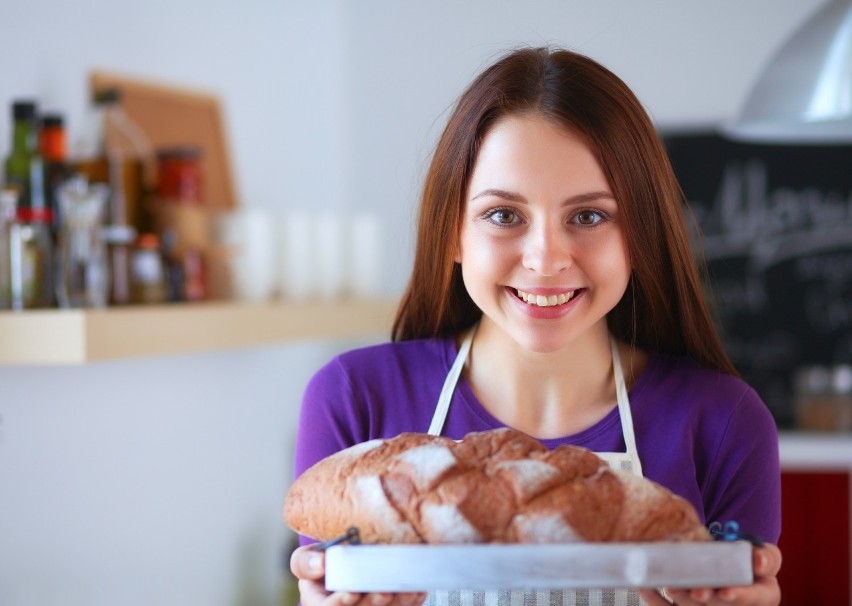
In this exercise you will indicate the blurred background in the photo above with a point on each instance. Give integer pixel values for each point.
(160, 480)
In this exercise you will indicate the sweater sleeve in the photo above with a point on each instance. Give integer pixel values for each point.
(331, 419)
(744, 483)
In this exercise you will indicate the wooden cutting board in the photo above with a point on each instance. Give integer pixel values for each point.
(172, 116)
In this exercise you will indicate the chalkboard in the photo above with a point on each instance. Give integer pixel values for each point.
(775, 226)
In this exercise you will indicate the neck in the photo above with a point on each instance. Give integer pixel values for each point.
(545, 395)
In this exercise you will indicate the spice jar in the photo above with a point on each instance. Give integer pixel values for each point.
(824, 398)
(179, 175)
(147, 272)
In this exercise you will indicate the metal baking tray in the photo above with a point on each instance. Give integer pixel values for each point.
(393, 568)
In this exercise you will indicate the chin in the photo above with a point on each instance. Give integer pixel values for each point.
(542, 343)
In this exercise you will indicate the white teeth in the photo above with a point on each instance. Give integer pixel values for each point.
(546, 301)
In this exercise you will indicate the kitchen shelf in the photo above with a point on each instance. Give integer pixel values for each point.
(76, 336)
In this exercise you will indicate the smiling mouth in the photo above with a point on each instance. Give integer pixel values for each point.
(546, 300)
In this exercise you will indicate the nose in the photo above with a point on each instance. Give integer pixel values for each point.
(547, 250)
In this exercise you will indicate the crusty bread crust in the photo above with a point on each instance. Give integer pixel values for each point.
(493, 486)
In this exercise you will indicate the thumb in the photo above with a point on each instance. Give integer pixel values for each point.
(305, 563)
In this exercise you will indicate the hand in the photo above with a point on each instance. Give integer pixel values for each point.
(765, 591)
(309, 567)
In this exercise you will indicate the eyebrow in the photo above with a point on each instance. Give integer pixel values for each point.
(516, 197)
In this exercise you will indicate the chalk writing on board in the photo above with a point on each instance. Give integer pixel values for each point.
(772, 225)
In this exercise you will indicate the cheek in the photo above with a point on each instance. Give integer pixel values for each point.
(483, 252)
(610, 260)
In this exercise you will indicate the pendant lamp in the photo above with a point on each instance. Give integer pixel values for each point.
(804, 95)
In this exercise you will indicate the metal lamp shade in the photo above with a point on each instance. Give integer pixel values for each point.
(805, 93)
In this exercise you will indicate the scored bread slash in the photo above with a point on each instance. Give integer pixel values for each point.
(498, 486)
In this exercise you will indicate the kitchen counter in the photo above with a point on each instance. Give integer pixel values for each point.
(815, 451)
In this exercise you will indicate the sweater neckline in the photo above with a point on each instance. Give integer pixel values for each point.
(465, 396)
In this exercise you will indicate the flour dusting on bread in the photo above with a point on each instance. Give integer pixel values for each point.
(428, 463)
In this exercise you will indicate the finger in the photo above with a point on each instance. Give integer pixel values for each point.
(766, 560)
(379, 599)
(344, 598)
(408, 599)
(689, 597)
(764, 591)
(415, 599)
(305, 563)
(652, 597)
(312, 593)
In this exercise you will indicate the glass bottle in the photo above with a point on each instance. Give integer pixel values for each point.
(115, 152)
(8, 204)
(54, 152)
(83, 272)
(173, 266)
(30, 261)
(24, 168)
(841, 388)
(813, 410)
(179, 211)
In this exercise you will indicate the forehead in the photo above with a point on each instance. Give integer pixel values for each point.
(529, 151)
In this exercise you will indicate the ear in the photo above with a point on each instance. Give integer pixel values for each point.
(457, 256)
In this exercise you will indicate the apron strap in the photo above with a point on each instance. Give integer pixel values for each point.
(449, 387)
(624, 409)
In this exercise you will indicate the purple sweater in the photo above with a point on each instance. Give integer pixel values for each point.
(704, 435)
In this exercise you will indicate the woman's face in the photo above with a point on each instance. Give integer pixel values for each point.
(542, 249)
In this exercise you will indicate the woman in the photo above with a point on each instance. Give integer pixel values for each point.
(554, 291)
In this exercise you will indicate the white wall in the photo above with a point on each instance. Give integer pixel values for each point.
(160, 481)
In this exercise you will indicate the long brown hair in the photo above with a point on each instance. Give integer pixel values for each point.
(663, 308)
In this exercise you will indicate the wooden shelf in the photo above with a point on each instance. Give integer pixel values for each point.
(74, 336)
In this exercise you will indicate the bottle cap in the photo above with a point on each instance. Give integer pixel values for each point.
(24, 110)
(107, 96)
(52, 120)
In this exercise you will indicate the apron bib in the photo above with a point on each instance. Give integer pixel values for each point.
(627, 461)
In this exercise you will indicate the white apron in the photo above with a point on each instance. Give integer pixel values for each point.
(628, 461)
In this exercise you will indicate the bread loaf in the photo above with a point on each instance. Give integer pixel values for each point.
(493, 486)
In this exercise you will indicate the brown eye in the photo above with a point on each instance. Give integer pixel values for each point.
(503, 216)
(588, 217)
